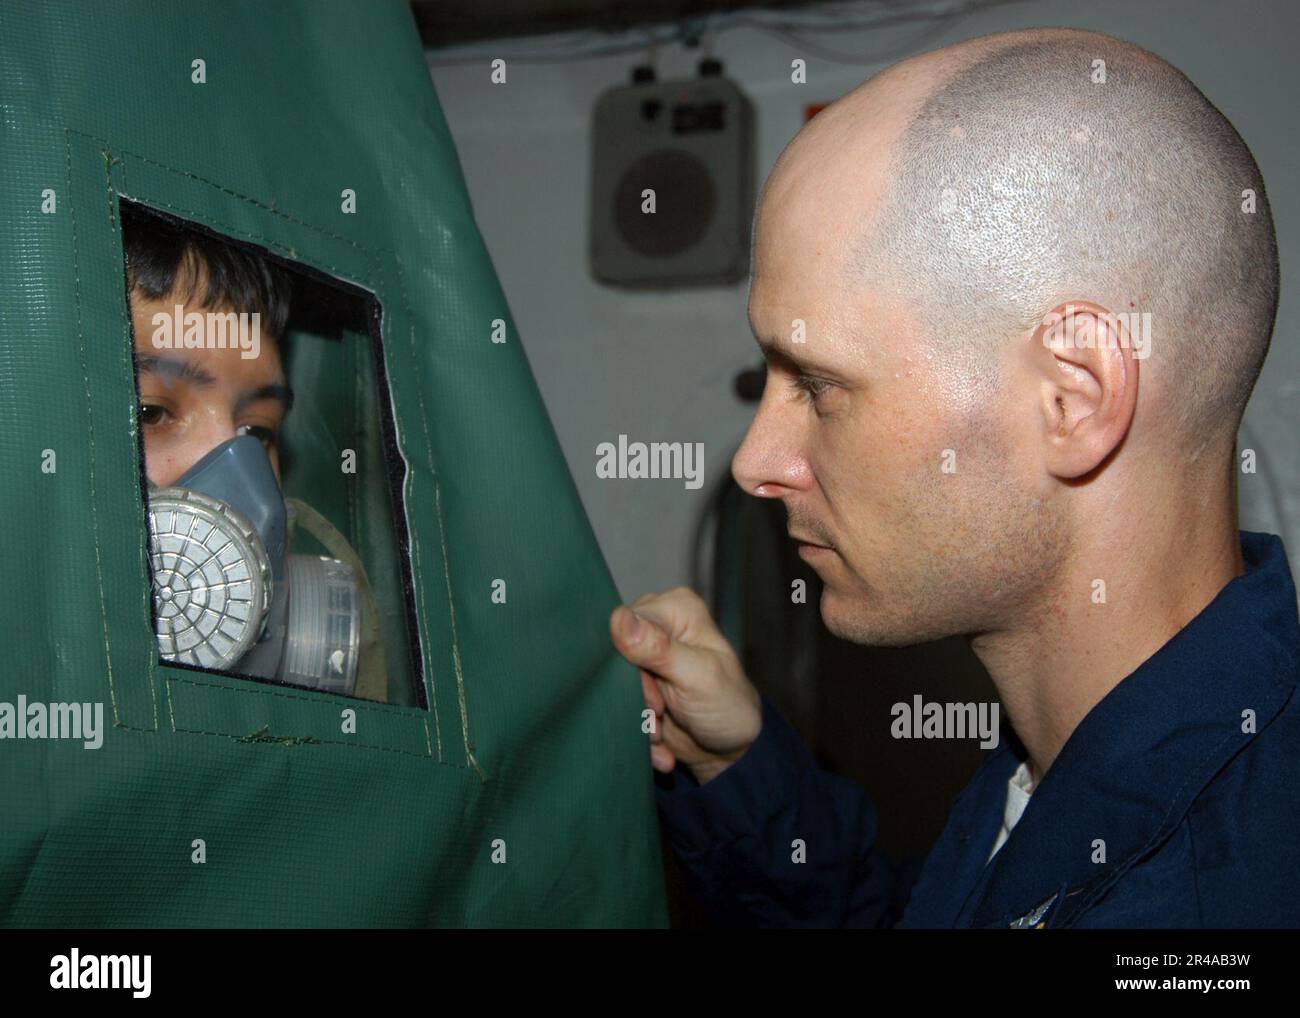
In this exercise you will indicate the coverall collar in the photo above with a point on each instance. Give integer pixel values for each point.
(1126, 776)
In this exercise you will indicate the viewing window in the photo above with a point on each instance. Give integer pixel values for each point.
(277, 538)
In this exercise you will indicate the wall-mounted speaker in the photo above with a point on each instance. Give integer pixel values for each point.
(672, 184)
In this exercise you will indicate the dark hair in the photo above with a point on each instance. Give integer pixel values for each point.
(159, 250)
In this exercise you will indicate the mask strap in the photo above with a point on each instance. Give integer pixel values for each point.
(372, 669)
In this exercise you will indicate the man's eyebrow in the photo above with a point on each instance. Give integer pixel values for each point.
(175, 369)
(774, 350)
(281, 392)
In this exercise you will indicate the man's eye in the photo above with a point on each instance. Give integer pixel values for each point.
(810, 386)
(151, 414)
(264, 435)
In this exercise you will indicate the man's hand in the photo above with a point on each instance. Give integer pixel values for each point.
(707, 713)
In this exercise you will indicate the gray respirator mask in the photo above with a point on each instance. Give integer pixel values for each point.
(229, 597)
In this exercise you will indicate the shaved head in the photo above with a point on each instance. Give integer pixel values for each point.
(1051, 166)
(951, 462)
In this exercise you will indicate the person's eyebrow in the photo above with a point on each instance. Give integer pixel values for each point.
(776, 351)
(281, 392)
(175, 369)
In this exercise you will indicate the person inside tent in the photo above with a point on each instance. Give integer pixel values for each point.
(208, 321)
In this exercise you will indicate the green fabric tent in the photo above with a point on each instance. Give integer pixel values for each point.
(506, 780)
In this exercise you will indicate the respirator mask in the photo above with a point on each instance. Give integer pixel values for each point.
(229, 597)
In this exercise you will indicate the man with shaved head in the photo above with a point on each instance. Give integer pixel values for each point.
(1013, 295)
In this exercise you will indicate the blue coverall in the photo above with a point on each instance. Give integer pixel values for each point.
(1185, 779)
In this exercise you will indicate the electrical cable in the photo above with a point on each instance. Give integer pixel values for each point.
(583, 44)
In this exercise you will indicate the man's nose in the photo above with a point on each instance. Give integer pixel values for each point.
(213, 430)
(769, 462)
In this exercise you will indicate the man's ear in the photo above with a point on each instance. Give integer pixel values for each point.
(1088, 386)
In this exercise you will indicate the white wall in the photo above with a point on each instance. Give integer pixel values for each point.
(660, 367)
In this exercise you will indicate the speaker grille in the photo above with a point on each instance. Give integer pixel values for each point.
(685, 203)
